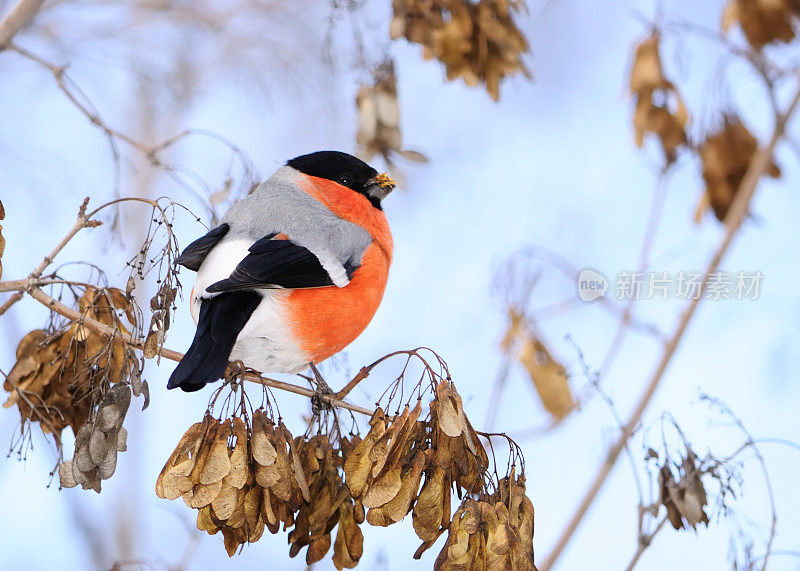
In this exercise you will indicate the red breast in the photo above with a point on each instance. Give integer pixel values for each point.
(326, 320)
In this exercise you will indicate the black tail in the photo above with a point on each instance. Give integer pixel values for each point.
(221, 319)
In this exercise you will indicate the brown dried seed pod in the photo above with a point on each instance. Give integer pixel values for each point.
(185, 454)
(726, 156)
(202, 495)
(213, 463)
(357, 466)
(262, 448)
(223, 505)
(383, 489)
(240, 470)
(428, 511)
(349, 545)
(65, 476)
(206, 521)
(295, 452)
(397, 508)
(762, 21)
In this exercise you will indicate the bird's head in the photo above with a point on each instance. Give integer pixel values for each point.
(348, 171)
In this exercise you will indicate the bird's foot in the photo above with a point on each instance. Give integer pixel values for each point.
(318, 403)
(234, 373)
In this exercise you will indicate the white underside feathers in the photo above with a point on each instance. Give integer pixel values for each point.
(266, 342)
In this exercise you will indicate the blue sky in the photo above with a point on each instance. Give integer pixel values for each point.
(552, 165)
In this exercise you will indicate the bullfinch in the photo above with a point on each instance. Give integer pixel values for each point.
(294, 272)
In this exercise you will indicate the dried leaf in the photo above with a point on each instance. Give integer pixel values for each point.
(762, 21)
(549, 377)
(726, 156)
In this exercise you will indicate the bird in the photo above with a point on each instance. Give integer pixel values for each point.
(294, 272)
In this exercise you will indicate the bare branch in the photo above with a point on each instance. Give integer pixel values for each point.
(736, 215)
(11, 301)
(644, 543)
(19, 16)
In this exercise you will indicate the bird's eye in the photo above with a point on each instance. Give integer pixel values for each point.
(345, 180)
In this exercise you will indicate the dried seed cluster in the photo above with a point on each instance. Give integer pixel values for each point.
(59, 376)
(160, 305)
(476, 41)
(247, 474)
(762, 21)
(493, 532)
(98, 441)
(244, 478)
(726, 155)
(379, 118)
(659, 107)
(684, 498)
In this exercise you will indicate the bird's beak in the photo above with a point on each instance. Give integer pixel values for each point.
(380, 186)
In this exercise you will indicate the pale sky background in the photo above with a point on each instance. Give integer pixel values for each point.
(552, 165)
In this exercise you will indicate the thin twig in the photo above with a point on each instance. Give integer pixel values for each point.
(752, 443)
(11, 301)
(736, 215)
(644, 543)
(82, 222)
(656, 210)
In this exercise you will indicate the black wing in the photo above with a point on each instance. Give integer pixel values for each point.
(278, 264)
(221, 319)
(196, 252)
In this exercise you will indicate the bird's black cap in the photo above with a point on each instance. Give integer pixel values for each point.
(341, 168)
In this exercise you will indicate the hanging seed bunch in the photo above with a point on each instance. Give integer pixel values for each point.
(726, 155)
(683, 497)
(659, 108)
(161, 304)
(379, 119)
(98, 441)
(476, 41)
(63, 372)
(687, 486)
(157, 256)
(492, 532)
(247, 473)
(762, 21)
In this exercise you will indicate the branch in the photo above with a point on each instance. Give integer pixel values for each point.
(107, 332)
(31, 285)
(736, 215)
(644, 543)
(11, 301)
(19, 16)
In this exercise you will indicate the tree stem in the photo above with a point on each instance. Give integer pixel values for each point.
(733, 221)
